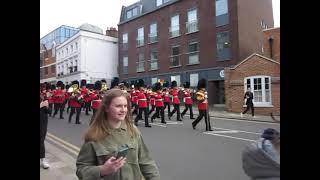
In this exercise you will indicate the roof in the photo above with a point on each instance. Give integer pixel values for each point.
(258, 55)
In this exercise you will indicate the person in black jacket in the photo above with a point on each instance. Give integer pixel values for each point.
(43, 130)
(248, 96)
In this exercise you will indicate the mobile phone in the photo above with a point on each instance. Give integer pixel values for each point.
(122, 152)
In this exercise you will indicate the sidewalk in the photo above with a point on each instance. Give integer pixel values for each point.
(62, 165)
(236, 116)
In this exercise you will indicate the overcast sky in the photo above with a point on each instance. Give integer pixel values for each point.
(101, 13)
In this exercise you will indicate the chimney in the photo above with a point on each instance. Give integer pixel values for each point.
(270, 46)
(112, 31)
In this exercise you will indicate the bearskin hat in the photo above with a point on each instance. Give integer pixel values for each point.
(59, 84)
(166, 84)
(53, 87)
(157, 86)
(90, 86)
(202, 83)
(140, 83)
(114, 82)
(75, 82)
(186, 85)
(83, 82)
(173, 84)
(67, 86)
(97, 85)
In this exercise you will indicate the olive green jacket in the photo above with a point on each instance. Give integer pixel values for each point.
(139, 165)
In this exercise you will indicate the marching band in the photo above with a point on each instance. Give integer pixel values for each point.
(157, 97)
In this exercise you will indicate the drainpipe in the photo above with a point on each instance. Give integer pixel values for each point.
(270, 46)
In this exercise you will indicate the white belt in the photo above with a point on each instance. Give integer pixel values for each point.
(142, 99)
(159, 100)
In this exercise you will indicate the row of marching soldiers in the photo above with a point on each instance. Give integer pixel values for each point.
(158, 97)
(86, 96)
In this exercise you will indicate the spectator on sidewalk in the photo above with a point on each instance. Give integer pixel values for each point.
(248, 97)
(44, 105)
(261, 160)
(111, 129)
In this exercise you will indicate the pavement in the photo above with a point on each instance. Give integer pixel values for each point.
(62, 162)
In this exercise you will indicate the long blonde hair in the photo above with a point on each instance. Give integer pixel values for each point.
(99, 128)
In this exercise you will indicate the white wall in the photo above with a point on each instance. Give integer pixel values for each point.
(97, 57)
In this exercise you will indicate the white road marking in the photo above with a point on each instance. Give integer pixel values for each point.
(225, 132)
(248, 121)
(237, 130)
(174, 122)
(158, 124)
(210, 133)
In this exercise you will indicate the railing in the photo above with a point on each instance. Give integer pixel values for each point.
(174, 31)
(153, 64)
(153, 37)
(140, 66)
(140, 42)
(192, 26)
(193, 57)
(174, 61)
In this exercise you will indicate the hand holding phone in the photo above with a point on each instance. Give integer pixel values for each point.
(122, 152)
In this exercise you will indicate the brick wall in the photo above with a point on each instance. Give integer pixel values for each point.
(275, 35)
(234, 83)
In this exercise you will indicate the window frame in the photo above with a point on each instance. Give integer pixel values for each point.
(262, 103)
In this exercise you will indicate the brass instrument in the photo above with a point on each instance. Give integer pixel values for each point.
(104, 86)
(201, 95)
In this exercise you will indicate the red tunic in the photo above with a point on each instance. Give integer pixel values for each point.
(175, 97)
(58, 96)
(142, 100)
(74, 102)
(187, 97)
(158, 100)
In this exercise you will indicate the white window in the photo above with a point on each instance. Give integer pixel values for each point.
(154, 80)
(176, 78)
(125, 61)
(125, 38)
(134, 11)
(71, 48)
(67, 52)
(192, 24)
(174, 29)
(129, 14)
(159, 2)
(153, 33)
(76, 46)
(261, 89)
(221, 7)
(194, 78)
(140, 37)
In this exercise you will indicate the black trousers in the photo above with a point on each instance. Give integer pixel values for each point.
(145, 110)
(58, 107)
(176, 109)
(159, 110)
(68, 108)
(167, 104)
(135, 111)
(249, 106)
(152, 109)
(43, 133)
(187, 106)
(94, 111)
(73, 110)
(87, 106)
(50, 109)
(202, 113)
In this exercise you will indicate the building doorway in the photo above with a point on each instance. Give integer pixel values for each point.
(216, 93)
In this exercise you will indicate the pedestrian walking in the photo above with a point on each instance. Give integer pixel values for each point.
(44, 111)
(248, 97)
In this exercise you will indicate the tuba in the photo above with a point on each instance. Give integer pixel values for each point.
(104, 87)
(201, 95)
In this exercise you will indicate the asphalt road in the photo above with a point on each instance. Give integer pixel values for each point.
(180, 152)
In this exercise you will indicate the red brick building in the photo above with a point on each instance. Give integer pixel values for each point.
(186, 40)
(259, 72)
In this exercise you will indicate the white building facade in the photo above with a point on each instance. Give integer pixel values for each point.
(87, 55)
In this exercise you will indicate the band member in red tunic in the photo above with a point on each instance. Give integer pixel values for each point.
(142, 104)
(96, 98)
(175, 100)
(75, 101)
(51, 98)
(187, 100)
(202, 105)
(159, 103)
(58, 95)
